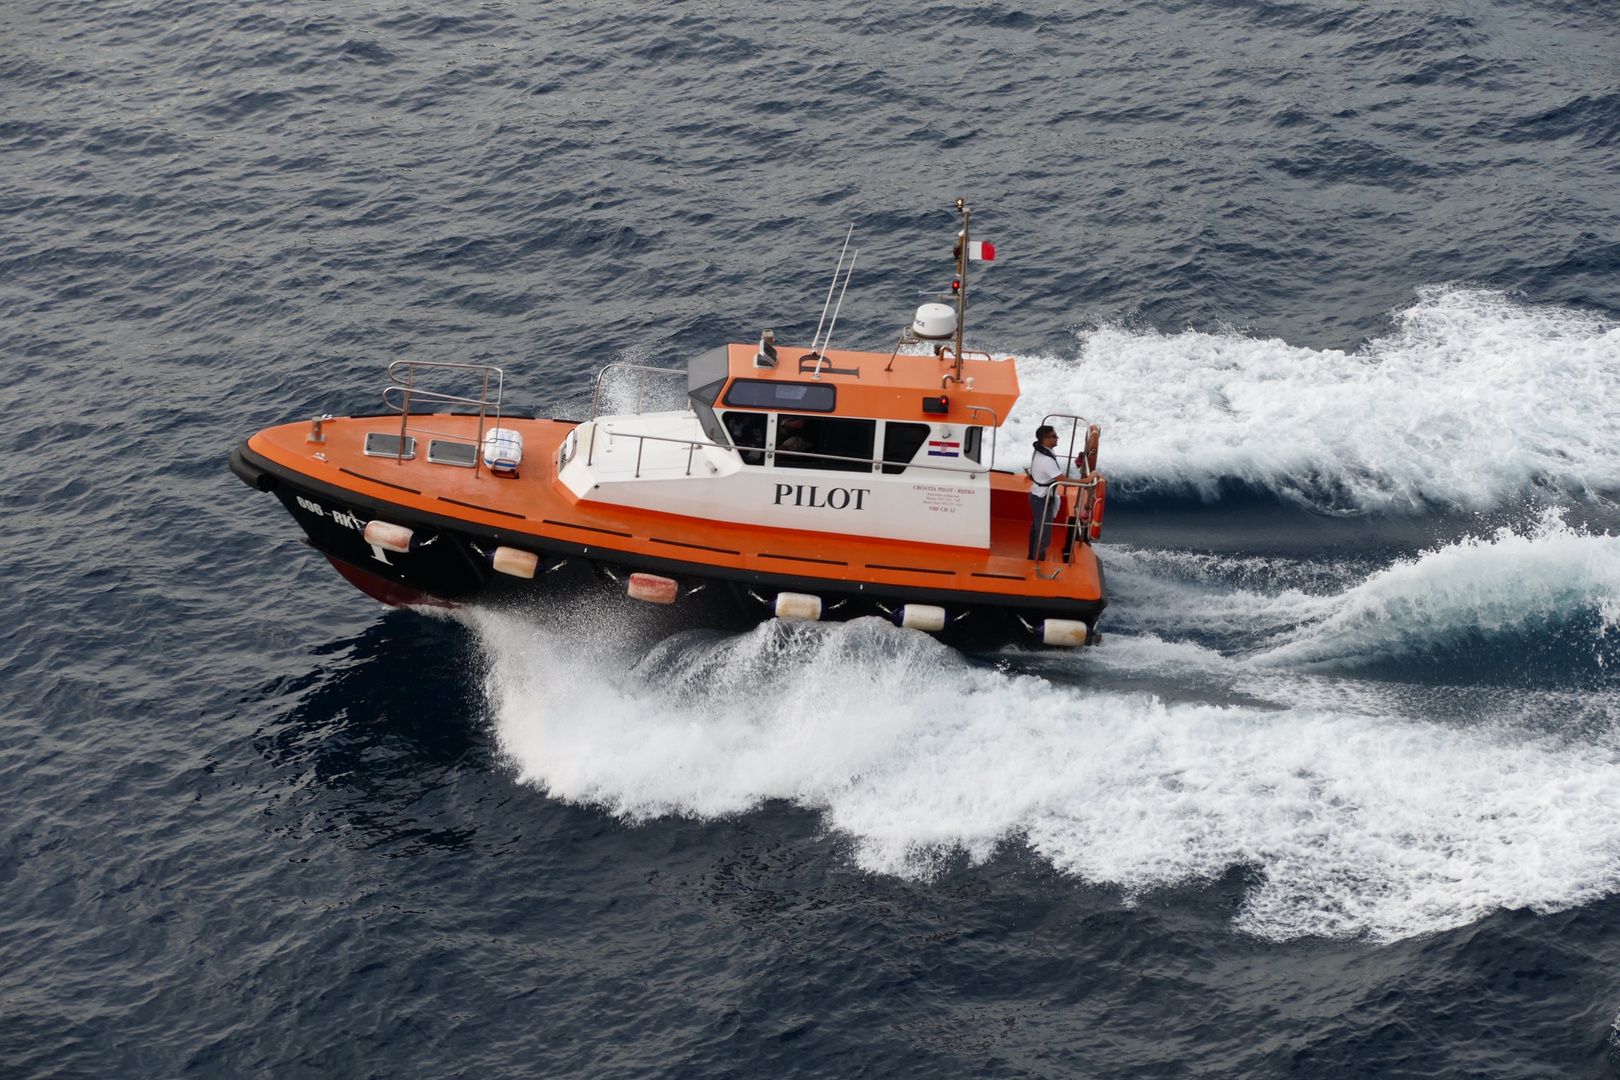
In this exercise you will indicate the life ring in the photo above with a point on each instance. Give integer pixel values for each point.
(1092, 435)
(1097, 508)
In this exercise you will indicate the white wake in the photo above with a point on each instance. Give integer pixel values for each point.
(1360, 817)
(1472, 399)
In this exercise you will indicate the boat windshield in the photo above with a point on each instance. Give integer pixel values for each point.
(706, 370)
(705, 375)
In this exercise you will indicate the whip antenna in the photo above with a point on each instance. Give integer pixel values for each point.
(821, 354)
(814, 342)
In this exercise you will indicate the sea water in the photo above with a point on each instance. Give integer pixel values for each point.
(1337, 796)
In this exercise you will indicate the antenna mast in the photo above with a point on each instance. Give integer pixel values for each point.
(961, 281)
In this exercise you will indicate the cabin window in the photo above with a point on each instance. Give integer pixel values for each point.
(747, 429)
(973, 444)
(901, 443)
(802, 440)
(769, 394)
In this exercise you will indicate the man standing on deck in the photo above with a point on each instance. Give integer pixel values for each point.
(1044, 471)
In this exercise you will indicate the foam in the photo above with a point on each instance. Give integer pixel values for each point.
(1472, 399)
(1358, 818)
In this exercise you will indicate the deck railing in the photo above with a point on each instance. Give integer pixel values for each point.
(1076, 425)
(641, 392)
(872, 464)
(404, 390)
(641, 389)
(1079, 523)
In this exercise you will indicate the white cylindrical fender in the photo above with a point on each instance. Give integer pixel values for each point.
(1063, 632)
(793, 605)
(389, 537)
(653, 589)
(922, 617)
(514, 561)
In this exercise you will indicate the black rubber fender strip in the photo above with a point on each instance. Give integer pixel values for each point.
(251, 475)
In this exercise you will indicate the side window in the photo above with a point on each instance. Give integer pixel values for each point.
(972, 444)
(901, 443)
(747, 429)
(801, 440)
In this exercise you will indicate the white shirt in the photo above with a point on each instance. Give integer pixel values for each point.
(1043, 470)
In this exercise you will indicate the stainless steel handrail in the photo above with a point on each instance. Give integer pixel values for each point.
(596, 387)
(433, 397)
(995, 430)
(973, 471)
(1074, 428)
(405, 387)
(1080, 524)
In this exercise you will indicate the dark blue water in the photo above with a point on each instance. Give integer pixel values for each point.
(1339, 796)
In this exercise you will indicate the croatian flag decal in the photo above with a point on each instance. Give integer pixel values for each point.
(940, 448)
(981, 251)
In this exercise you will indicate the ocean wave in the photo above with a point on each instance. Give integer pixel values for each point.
(1533, 607)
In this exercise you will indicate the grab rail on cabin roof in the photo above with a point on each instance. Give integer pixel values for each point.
(641, 391)
(402, 383)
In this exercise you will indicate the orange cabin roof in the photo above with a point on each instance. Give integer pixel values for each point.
(867, 389)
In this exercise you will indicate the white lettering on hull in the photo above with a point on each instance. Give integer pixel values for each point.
(942, 499)
(343, 519)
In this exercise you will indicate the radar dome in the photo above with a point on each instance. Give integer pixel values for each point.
(934, 321)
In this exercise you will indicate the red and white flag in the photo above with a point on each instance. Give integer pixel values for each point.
(981, 251)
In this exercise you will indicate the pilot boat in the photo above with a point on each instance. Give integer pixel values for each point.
(807, 484)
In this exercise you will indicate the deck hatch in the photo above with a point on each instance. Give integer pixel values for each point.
(382, 444)
(450, 452)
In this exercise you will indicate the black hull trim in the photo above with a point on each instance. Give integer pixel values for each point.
(452, 564)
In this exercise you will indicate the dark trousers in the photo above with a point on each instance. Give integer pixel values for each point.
(1042, 509)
